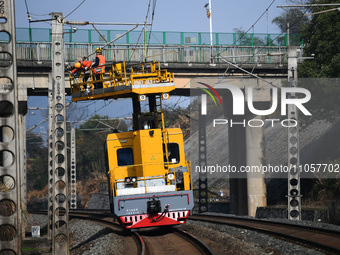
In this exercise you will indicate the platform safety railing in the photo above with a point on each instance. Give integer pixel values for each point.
(120, 74)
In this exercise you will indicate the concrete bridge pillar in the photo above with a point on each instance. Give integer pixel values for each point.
(238, 181)
(246, 148)
(255, 157)
(237, 158)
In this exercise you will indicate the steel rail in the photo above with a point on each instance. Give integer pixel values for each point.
(201, 245)
(95, 217)
(322, 239)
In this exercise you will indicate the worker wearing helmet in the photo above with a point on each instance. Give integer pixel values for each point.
(85, 64)
(99, 67)
(81, 65)
(77, 67)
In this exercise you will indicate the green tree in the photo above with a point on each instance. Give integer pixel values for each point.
(37, 162)
(294, 16)
(322, 39)
(296, 20)
(90, 138)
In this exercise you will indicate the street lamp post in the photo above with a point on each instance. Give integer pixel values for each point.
(209, 16)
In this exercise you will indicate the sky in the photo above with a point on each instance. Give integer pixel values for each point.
(174, 15)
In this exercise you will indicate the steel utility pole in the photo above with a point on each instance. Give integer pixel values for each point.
(60, 228)
(202, 159)
(10, 175)
(50, 157)
(73, 171)
(294, 196)
(294, 193)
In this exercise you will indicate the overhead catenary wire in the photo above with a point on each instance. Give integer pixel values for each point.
(145, 24)
(145, 32)
(29, 16)
(30, 36)
(176, 110)
(84, 121)
(28, 13)
(97, 110)
(45, 20)
(240, 38)
(141, 33)
(107, 23)
(290, 25)
(252, 27)
(152, 19)
(75, 9)
(254, 24)
(263, 47)
(259, 50)
(83, 23)
(35, 14)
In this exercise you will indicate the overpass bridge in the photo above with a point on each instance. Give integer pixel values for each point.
(187, 54)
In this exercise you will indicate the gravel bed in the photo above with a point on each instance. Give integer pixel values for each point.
(240, 241)
(87, 237)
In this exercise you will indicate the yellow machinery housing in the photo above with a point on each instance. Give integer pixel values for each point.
(139, 156)
(148, 178)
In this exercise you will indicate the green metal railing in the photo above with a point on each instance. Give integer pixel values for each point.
(178, 47)
(159, 37)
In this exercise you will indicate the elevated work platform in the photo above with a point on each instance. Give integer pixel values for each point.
(122, 81)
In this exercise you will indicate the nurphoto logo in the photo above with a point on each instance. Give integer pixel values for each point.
(238, 106)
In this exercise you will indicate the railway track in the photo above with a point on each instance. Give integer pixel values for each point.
(172, 241)
(326, 241)
(133, 243)
(176, 241)
(151, 240)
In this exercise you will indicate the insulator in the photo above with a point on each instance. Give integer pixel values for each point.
(77, 23)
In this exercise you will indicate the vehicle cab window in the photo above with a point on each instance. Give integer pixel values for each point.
(173, 150)
(125, 157)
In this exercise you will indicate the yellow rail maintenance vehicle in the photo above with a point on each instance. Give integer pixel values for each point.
(150, 182)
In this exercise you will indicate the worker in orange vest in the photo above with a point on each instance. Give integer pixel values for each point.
(99, 67)
(84, 66)
(81, 65)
